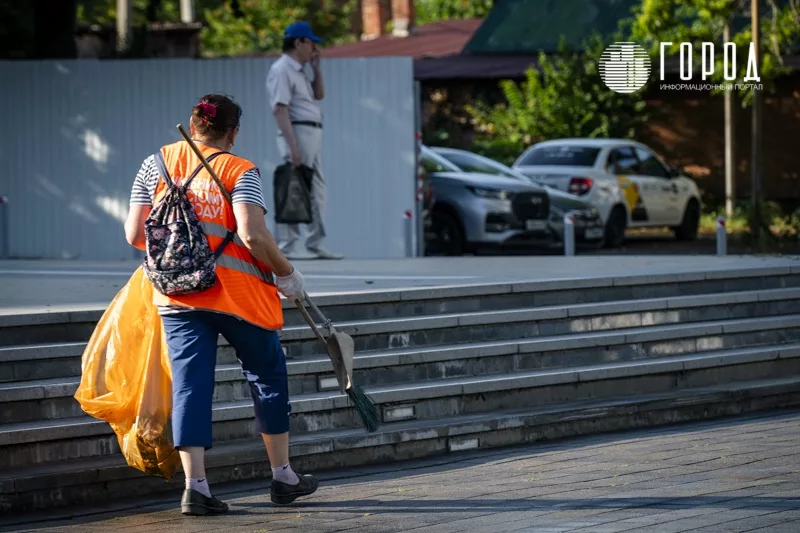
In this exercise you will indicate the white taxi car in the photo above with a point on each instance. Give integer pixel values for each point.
(625, 180)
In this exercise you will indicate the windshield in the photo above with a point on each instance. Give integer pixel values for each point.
(571, 156)
(473, 163)
(434, 162)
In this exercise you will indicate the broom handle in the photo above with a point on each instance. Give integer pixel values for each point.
(316, 309)
(210, 170)
(310, 322)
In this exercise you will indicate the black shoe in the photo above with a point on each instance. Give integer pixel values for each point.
(283, 493)
(196, 503)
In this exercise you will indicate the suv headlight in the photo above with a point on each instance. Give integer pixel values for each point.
(494, 194)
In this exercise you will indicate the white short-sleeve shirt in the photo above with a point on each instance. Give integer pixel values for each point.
(288, 84)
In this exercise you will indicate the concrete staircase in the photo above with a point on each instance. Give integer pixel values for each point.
(451, 368)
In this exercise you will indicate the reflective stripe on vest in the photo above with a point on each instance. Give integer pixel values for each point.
(234, 263)
(218, 230)
(242, 266)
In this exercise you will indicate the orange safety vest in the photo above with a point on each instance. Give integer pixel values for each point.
(245, 286)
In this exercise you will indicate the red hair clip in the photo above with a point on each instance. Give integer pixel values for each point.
(207, 110)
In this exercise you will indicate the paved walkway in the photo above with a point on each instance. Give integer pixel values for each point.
(43, 285)
(734, 475)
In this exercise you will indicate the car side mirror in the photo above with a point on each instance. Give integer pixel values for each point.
(675, 172)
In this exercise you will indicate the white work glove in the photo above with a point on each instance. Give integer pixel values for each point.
(291, 286)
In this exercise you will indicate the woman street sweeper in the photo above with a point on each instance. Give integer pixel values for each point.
(242, 304)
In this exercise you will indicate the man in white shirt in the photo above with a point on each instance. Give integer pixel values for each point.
(294, 100)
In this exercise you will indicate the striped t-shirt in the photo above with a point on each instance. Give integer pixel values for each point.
(247, 190)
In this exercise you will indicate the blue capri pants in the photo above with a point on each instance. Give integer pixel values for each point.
(192, 341)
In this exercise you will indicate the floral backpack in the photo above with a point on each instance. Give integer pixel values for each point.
(179, 260)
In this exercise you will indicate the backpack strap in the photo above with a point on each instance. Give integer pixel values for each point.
(162, 168)
(228, 238)
(231, 234)
(200, 167)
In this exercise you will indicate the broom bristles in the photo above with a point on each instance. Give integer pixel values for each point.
(365, 407)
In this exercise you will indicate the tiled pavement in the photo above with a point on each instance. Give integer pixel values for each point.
(731, 475)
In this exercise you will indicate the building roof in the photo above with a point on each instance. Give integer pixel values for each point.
(531, 26)
(473, 67)
(430, 40)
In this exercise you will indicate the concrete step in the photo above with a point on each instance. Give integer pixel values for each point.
(46, 361)
(49, 399)
(77, 325)
(27, 444)
(94, 480)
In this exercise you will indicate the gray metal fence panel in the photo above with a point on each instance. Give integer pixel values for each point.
(74, 134)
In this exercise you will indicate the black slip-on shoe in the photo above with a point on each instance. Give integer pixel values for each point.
(283, 493)
(196, 503)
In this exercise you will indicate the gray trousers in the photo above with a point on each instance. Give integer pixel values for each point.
(309, 142)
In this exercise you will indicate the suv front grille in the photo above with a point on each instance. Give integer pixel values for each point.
(530, 205)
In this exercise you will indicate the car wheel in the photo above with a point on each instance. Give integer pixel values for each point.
(690, 223)
(615, 228)
(445, 236)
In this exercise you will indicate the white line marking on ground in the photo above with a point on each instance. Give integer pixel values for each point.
(128, 274)
(369, 277)
(64, 273)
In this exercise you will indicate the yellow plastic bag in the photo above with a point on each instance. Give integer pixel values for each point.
(126, 379)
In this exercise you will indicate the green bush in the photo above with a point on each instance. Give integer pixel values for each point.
(501, 150)
(780, 224)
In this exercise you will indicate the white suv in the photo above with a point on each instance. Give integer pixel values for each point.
(629, 185)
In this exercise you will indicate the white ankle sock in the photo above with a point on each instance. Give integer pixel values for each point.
(285, 474)
(200, 485)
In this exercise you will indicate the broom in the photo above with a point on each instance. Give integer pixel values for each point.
(340, 348)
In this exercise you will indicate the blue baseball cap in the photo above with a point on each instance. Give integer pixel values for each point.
(300, 30)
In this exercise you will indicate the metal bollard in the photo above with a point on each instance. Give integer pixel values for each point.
(4, 227)
(722, 236)
(408, 228)
(569, 234)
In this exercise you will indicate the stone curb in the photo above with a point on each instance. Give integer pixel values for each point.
(450, 291)
(86, 426)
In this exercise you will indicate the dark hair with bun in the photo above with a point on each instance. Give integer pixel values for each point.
(215, 115)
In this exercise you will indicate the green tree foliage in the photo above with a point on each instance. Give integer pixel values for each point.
(258, 26)
(698, 21)
(428, 11)
(564, 97)
(235, 27)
